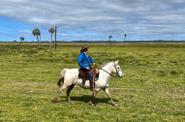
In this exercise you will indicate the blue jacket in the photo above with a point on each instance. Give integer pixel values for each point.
(85, 61)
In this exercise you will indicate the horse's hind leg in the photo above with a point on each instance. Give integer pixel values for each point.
(69, 91)
(56, 99)
(107, 92)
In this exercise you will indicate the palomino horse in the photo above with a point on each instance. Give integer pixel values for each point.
(69, 78)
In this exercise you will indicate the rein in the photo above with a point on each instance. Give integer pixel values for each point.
(108, 73)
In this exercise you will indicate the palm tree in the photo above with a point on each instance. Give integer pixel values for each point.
(125, 35)
(55, 43)
(51, 31)
(21, 40)
(110, 37)
(36, 32)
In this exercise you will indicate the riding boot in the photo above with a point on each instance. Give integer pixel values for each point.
(83, 81)
(93, 93)
(91, 85)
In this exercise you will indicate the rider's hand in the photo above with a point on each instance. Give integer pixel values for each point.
(94, 65)
(87, 68)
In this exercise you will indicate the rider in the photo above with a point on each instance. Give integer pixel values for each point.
(85, 62)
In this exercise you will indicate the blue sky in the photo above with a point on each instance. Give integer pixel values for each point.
(93, 19)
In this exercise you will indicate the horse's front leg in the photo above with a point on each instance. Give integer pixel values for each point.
(107, 92)
(94, 93)
(92, 101)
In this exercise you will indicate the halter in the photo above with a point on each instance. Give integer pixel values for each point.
(117, 74)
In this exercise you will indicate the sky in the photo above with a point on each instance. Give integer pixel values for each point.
(93, 19)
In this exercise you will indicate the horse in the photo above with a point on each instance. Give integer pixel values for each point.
(69, 78)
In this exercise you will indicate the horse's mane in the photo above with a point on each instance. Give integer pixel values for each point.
(104, 64)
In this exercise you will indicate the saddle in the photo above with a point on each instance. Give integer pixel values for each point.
(83, 74)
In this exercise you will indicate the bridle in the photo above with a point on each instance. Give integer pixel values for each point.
(117, 74)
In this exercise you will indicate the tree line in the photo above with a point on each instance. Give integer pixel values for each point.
(53, 33)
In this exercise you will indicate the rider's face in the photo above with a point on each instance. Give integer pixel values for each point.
(86, 51)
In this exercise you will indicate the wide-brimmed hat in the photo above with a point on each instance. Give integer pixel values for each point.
(84, 48)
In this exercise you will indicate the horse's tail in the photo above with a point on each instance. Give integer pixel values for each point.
(61, 79)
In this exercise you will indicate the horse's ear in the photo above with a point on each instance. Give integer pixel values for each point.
(116, 62)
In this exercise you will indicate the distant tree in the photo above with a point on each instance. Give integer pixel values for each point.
(125, 36)
(21, 39)
(110, 37)
(55, 42)
(36, 32)
(52, 31)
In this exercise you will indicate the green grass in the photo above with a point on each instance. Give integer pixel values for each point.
(153, 88)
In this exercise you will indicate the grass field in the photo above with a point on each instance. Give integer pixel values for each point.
(153, 88)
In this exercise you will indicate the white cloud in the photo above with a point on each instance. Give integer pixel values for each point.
(101, 16)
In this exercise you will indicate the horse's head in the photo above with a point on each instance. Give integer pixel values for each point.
(117, 69)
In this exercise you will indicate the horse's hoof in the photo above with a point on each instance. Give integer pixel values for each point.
(92, 104)
(114, 104)
(70, 101)
(54, 100)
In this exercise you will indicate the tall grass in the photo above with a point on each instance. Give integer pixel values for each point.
(153, 88)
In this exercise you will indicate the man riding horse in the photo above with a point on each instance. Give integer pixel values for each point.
(88, 71)
(85, 62)
(70, 77)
